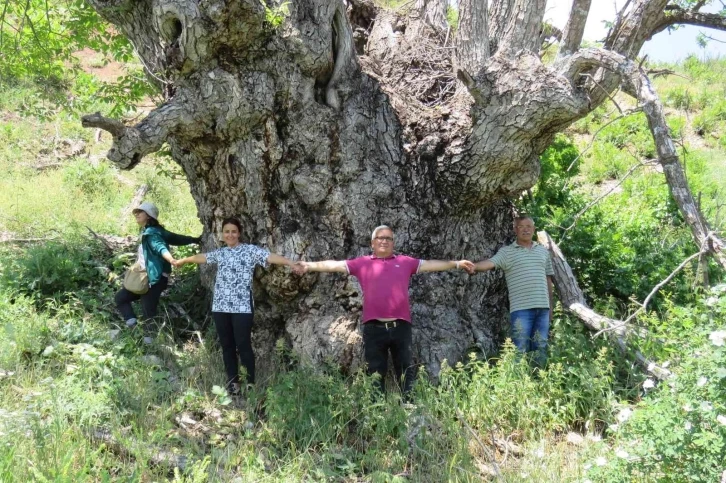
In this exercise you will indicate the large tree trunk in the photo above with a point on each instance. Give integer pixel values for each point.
(312, 146)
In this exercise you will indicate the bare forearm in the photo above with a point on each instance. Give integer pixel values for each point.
(198, 259)
(437, 265)
(276, 259)
(484, 266)
(441, 265)
(326, 266)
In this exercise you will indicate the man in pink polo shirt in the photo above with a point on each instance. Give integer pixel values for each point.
(384, 278)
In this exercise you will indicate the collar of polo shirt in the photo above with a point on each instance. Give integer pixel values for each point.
(373, 257)
(517, 245)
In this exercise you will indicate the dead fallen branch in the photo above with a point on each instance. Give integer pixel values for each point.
(685, 262)
(156, 456)
(606, 193)
(139, 195)
(484, 449)
(573, 300)
(636, 83)
(45, 166)
(10, 238)
(100, 238)
(507, 447)
(114, 243)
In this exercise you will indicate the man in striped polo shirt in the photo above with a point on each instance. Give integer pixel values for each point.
(528, 270)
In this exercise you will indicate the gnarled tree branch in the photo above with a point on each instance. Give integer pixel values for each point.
(523, 28)
(637, 84)
(499, 13)
(573, 300)
(131, 144)
(575, 28)
(679, 16)
(431, 13)
(472, 36)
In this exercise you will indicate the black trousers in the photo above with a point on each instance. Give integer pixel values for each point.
(378, 339)
(149, 301)
(235, 337)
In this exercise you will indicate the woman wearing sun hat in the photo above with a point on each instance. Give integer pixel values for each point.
(154, 258)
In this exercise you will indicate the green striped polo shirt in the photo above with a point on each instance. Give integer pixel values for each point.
(525, 270)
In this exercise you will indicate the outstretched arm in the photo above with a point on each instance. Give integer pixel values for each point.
(199, 258)
(441, 265)
(484, 266)
(275, 259)
(180, 240)
(324, 266)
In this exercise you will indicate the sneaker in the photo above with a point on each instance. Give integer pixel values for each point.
(131, 323)
(234, 389)
(148, 340)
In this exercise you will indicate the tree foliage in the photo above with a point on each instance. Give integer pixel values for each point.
(40, 40)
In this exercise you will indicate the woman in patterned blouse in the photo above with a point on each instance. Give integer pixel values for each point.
(232, 301)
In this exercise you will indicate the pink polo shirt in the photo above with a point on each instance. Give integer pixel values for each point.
(385, 285)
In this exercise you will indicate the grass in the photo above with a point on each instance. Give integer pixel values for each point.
(78, 191)
(70, 378)
(68, 370)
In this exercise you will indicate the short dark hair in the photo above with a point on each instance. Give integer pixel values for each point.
(232, 221)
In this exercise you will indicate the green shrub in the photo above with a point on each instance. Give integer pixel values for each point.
(677, 125)
(679, 97)
(677, 432)
(630, 131)
(24, 332)
(606, 161)
(54, 268)
(92, 181)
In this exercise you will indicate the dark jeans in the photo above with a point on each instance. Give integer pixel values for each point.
(235, 336)
(530, 330)
(378, 340)
(149, 301)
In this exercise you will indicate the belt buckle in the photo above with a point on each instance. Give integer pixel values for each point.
(392, 322)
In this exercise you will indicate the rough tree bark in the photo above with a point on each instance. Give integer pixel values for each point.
(575, 28)
(313, 136)
(472, 39)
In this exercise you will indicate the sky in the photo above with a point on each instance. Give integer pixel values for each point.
(664, 47)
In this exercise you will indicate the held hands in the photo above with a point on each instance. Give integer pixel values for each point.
(178, 263)
(466, 265)
(299, 268)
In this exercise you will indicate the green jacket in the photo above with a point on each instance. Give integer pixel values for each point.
(155, 241)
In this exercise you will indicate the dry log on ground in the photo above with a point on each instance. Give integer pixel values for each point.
(135, 201)
(573, 300)
(156, 456)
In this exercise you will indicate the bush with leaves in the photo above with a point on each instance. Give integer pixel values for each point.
(55, 268)
(677, 432)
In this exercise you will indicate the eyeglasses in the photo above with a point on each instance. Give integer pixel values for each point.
(383, 238)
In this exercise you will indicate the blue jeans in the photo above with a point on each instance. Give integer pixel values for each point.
(530, 329)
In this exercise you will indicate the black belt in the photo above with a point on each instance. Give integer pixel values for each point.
(388, 324)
